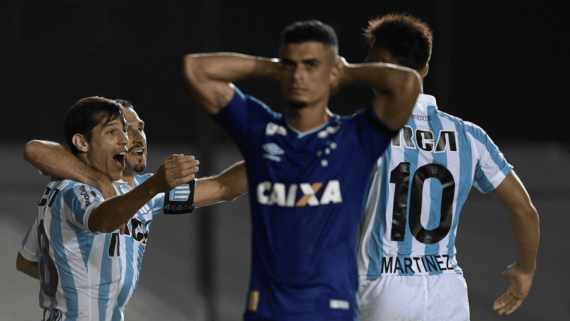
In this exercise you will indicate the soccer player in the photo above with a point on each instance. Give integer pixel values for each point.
(75, 233)
(307, 169)
(407, 264)
(54, 159)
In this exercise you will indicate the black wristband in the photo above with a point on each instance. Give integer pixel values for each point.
(180, 200)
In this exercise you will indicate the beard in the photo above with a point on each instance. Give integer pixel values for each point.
(296, 104)
(139, 168)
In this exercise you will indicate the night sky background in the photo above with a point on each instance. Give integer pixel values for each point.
(502, 65)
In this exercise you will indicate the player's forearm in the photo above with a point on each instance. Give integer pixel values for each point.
(526, 228)
(398, 89)
(227, 67)
(53, 159)
(27, 267)
(226, 186)
(113, 213)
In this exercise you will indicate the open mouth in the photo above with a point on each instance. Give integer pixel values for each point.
(120, 157)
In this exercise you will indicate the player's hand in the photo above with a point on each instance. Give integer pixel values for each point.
(340, 78)
(517, 292)
(174, 171)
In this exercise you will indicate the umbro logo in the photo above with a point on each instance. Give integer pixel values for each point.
(273, 150)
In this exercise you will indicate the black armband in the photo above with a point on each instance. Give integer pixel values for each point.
(180, 200)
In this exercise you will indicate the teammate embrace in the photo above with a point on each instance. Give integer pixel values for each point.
(309, 201)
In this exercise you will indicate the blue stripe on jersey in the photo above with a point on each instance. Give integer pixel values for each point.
(410, 156)
(64, 269)
(129, 274)
(106, 279)
(497, 158)
(74, 204)
(376, 250)
(85, 241)
(465, 179)
(436, 189)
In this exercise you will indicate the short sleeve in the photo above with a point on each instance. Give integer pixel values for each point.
(491, 168)
(79, 202)
(241, 116)
(29, 249)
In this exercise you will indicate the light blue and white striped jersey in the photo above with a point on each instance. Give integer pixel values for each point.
(79, 269)
(133, 243)
(418, 189)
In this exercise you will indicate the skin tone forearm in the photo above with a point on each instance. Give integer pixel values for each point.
(27, 267)
(227, 186)
(210, 75)
(399, 87)
(514, 198)
(53, 159)
(113, 213)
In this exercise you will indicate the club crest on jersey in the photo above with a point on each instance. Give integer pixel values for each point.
(273, 150)
(328, 130)
(273, 129)
(279, 194)
(424, 140)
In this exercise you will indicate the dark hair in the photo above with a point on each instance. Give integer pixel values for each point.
(86, 114)
(124, 103)
(310, 30)
(407, 38)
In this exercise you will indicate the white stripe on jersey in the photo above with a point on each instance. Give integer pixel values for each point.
(434, 151)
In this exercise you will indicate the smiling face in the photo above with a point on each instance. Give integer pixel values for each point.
(108, 146)
(306, 70)
(136, 155)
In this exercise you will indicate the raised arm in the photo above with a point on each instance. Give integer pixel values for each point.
(54, 159)
(397, 88)
(514, 198)
(210, 76)
(113, 213)
(226, 186)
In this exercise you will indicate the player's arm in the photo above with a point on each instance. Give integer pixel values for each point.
(210, 76)
(226, 186)
(113, 213)
(514, 198)
(398, 88)
(54, 159)
(28, 267)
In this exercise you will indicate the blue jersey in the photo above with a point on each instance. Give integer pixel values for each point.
(307, 195)
(418, 191)
(79, 269)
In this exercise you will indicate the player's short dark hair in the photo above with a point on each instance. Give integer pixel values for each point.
(82, 117)
(310, 30)
(407, 38)
(124, 103)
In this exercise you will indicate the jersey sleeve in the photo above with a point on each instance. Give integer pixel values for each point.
(79, 202)
(373, 135)
(29, 249)
(491, 167)
(240, 116)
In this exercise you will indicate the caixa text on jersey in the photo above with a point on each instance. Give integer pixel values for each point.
(298, 195)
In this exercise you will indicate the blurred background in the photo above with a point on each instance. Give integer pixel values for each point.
(498, 64)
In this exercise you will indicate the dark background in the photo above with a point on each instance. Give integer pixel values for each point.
(500, 64)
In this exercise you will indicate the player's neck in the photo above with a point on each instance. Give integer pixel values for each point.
(128, 177)
(307, 118)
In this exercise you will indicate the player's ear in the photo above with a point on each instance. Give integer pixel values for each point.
(80, 142)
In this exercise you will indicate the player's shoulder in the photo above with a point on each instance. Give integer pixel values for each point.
(75, 189)
(466, 126)
(254, 103)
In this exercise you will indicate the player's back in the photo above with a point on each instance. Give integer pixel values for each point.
(418, 191)
(79, 270)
